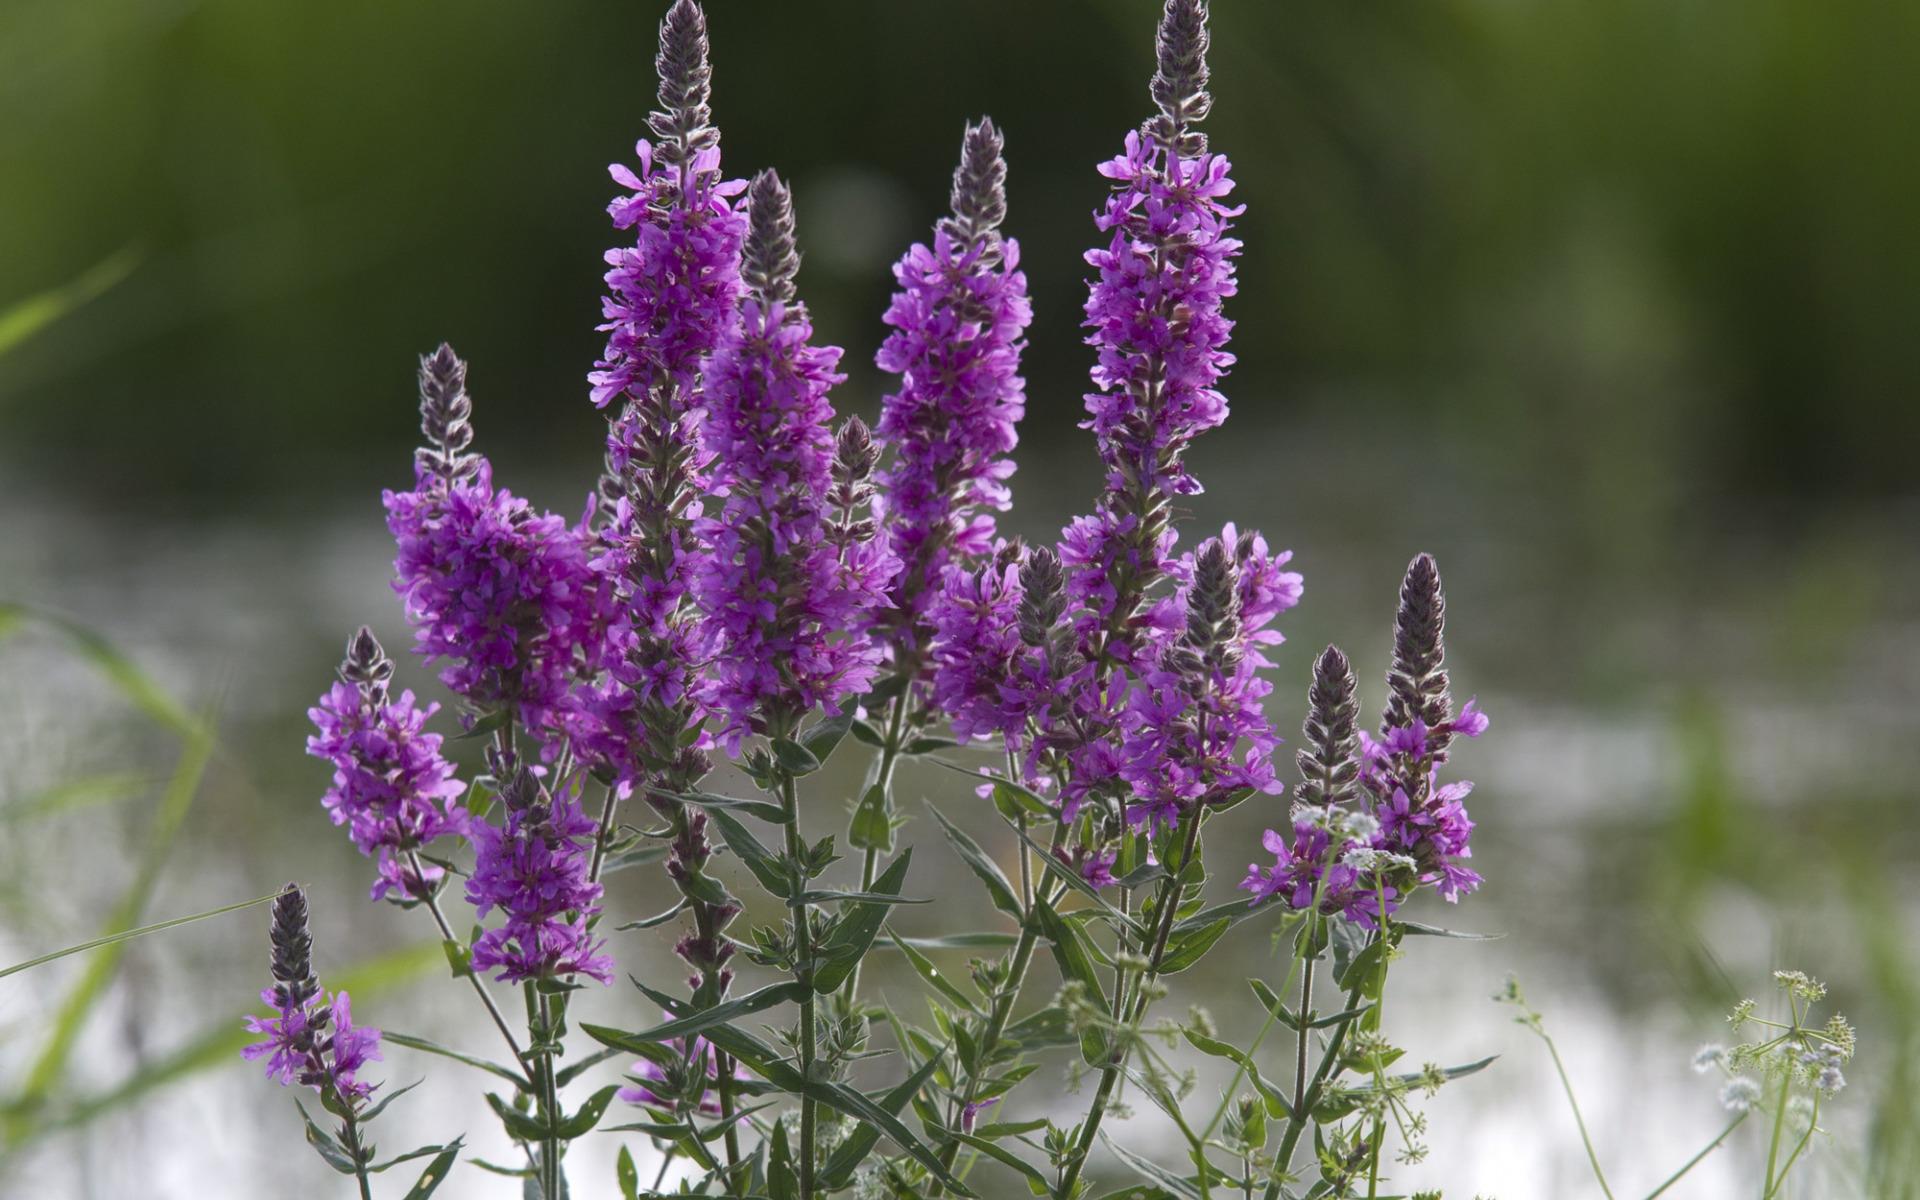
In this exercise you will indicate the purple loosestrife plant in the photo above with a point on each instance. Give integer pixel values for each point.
(756, 579)
(310, 1039)
(392, 789)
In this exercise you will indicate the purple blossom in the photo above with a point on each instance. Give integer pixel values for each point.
(1154, 312)
(391, 788)
(310, 1039)
(666, 1088)
(535, 869)
(316, 1045)
(957, 322)
(775, 591)
(1094, 865)
(1195, 727)
(499, 592)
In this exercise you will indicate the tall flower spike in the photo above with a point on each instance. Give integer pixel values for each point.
(1328, 764)
(1416, 682)
(683, 122)
(957, 321)
(446, 419)
(1180, 80)
(777, 596)
(310, 1038)
(771, 260)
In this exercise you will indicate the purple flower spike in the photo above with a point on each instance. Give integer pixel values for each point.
(391, 787)
(500, 593)
(776, 590)
(1154, 316)
(535, 869)
(958, 319)
(310, 1039)
(672, 293)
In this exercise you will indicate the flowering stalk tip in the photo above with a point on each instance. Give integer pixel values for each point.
(1328, 763)
(771, 258)
(1180, 76)
(683, 122)
(1416, 681)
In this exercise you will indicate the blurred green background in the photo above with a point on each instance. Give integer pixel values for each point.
(1611, 304)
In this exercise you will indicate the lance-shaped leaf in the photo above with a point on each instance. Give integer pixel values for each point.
(1148, 1169)
(999, 890)
(436, 1172)
(1185, 949)
(697, 1022)
(1036, 1182)
(853, 1150)
(772, 873)
(426, 1047)
(1071, 877)
(821, 740)
(1074, 955)
(854, 934)
(872, 824)
(1276, 1101)
(927, 971)
(582, 1122)
(762, 809)
(761, 1058)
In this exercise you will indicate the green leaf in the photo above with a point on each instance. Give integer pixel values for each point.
(627, 1175)
(872, 825)
(1186, 949)
(1043, 1029)
(387, 1099)
(639, 856)
(409, 1156)
(659, 918)
(576, 1069)
(762, 809)
(331, 1151)
(1074, 956)
(961, 941)
(927, 745)
(158, 839)
(588, 1115)
(1419, 930)
(129, 935)
(1149, 1169)
(999, 890)
(854, 1148)
(436, 1172)
(1276, 1102)
(740, 1006)
(517, 1123)
(931, 974)
(855, 932)
(770, 871)
(1235, 911)
(1072, 879)
(85, 792)
(765, 1062)
(796, 760)
(482, 1064)
(825, 736)
(1036, 1182)
(23, 318)
(127, 678)
(459, 957)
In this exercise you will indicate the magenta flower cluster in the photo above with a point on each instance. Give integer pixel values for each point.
(774, 590)
(957, 322)
(498, 591)
(391, 788)
(673, 292)
(535, 868)
(658, 1087)
(315, 1044)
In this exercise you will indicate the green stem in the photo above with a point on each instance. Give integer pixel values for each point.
(1297, 1119)
(1813, 1122)
(1167, 905)
(803, 950)
(1020, 961)
(350, 1128)
(1779, 1123)
(1300, 1051)
(549, 1105)
(883, 779)
(432, 902)
(1566, 1085)
(602, 835)
(1693, 1162)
